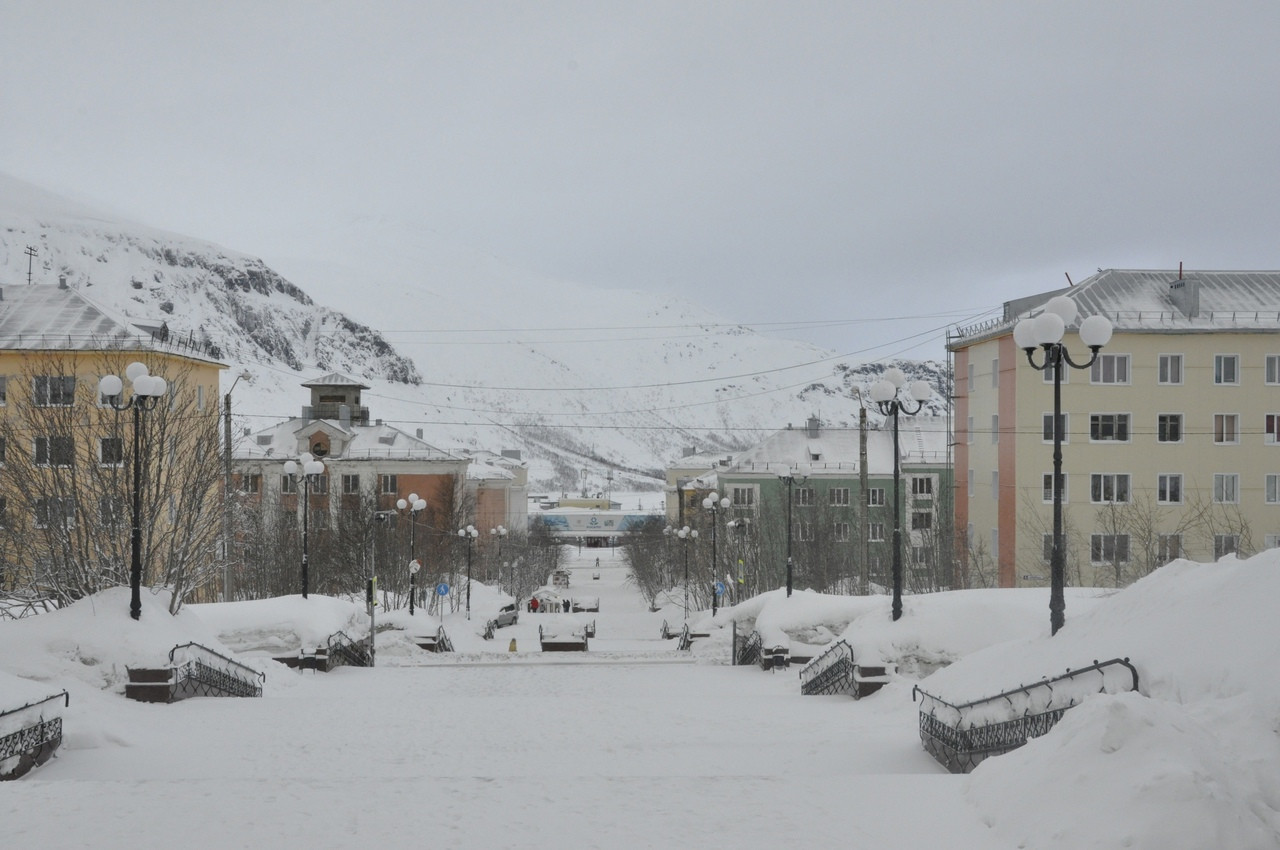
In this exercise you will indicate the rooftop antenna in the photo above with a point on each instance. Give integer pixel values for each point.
(1069, 281)
(31, 255)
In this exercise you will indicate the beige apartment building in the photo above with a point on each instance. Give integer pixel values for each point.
(1172, 444)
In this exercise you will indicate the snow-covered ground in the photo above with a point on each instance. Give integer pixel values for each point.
(637, 745)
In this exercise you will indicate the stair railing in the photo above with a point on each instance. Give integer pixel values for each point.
(202, 672)
(829, 673)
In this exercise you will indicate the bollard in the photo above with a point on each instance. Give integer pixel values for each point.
(512, 647)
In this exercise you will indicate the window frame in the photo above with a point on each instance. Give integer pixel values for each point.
(1046, 427)
(1097, 372)
(1166, 483)
(1224, 435)
(1098, 546)
(1220, 364)
(1098, 486)
(1046, 488)
(1226, 488)
(1115, 423)
(1165, 365)
(1162, 427)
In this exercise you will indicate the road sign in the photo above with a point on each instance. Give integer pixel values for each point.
(414, 566)
(719, 588)
(442, 589)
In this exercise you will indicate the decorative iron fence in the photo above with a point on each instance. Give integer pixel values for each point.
(960, 737)
(829, 673)
(686, 639)
(443, 644)
(749, 652)
(200, 672)
(34, 740)
(343, 651)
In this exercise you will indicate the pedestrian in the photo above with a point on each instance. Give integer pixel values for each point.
(533, 604)
(566, 605)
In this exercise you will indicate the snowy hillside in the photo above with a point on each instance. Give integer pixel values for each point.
(472, 351)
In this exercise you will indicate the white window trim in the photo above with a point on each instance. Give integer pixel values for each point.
(1182, 427)
(1128, 426)
(1182, 368)
(1218, 383)
(1181, 488)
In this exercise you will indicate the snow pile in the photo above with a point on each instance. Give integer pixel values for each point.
(283, 625)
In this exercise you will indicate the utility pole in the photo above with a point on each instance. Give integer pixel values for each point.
(31, 255)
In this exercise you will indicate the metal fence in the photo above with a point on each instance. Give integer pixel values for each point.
(34, 742)
(345, 652)
(200, 672)
(829, 673)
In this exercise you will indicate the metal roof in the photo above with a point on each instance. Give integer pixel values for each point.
(335, 379)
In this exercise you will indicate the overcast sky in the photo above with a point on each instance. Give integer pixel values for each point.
(776, 161)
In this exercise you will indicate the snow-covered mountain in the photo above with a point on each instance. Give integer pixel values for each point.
(475, 353)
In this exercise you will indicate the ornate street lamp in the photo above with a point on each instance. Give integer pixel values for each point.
(469, 534)
(1046, 330)
(497, 534)
(714, 503)
(147, 390)
(790, 478)
(310, 470)
(885, 394)
(413, 504)
(686, 534)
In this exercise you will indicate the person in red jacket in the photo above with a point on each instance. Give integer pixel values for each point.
(533, 605)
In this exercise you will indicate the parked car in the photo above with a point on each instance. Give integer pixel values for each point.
(507, 616)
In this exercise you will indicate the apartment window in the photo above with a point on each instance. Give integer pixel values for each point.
(250, 482)
(1226, 488)
(4, 446)
(995, 484)
(968, 431)
(110, 511)
(52, 512)
(1168, 548)
(1225, 544)
(1270, 429)
(1109, 427)
(744, 497)
(111, 451)
(288, 484)
(1046, 375)
(55, 451)
(970, 490)
(1170, 368)
(199, 397)
(1109, 548)
(921, 520)
(995, 427)
(922, 487)
(1169, 428)
(1272, 372)
(995, 543)
(320, 484)
(875, 497)
(1226, 428)
(55, 391)
(1109, 487)
(804, 530)
(1273, 489)
(1046, 427)
(1269, 541)
(1226, 368)
(1110, 369)
(387, 484)
(972, 385)
(805, 497)
(4, 512)
(1046, 487)
(838, 496)
(4, 390)
(841, 531)
(1169, 488)
(875, 532)
(1046, 548)
(350, 484)
(995, 372)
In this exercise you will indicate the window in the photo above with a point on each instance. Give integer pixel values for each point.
(1269, 541)
(1169, 428)
(842, 532)
(1046, 487)
(1225, 544)
(4, 390)
(1110, 369)
(1109, 548)
(1272, 372)
(54, 512)
(1108, 487)
(875, 532)
(4, 512)
(1046, 548)
(1169, 488)
(250, 482)
(922, 487)
(839, 496)
(921, 520)
(804, 530)
(288, 484)
(995, 372)
(995, 427)
(350, 484)
(1226, 488)
(1170, 369)
(1046, 375)
(1272, 489)
(1226, 428)
(968, 431)
(972, 386)
(1270, 430)
(995, 484)
(55, 391)
(995, 542)
(1046, 427)
(1168, 548)
(199, 397)
(744, 497)
(320, 484)
(970, 490)
(4, 446)
(111, 511)
(387, 484)
(111, 451)
(804, 497)
(1109, 427)
(1226, 368)
(875, 497)
(55, 451)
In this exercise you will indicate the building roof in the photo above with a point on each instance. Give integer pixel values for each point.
(1156, 301)
(835, 452)
(363, 442)
(335, 379)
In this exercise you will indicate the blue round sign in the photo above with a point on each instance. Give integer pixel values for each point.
(719, 588)
(442, 589)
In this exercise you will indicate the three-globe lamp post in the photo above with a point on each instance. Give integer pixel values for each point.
(413, 505)
(469, 534)
(309, 469)
(714, 503)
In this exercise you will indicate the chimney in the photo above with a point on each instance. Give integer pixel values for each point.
(513, 454)
(308, 412)
(1185, 294)
(62, 281)
(344, 415)
(419, 434)
(690, 452)
(814, 425)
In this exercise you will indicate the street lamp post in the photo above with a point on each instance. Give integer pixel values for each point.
(147, 390)
(414, 505)
(885, 394)
(714, 503)
(686, 534)
(497, 534)
(1046, 330)
(789, 478)
(227, 534)
(469, 534)
(309, 469)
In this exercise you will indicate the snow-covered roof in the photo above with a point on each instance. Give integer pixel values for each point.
(1158, 301)
(835, 451)
(335, 379)
(363, 442)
